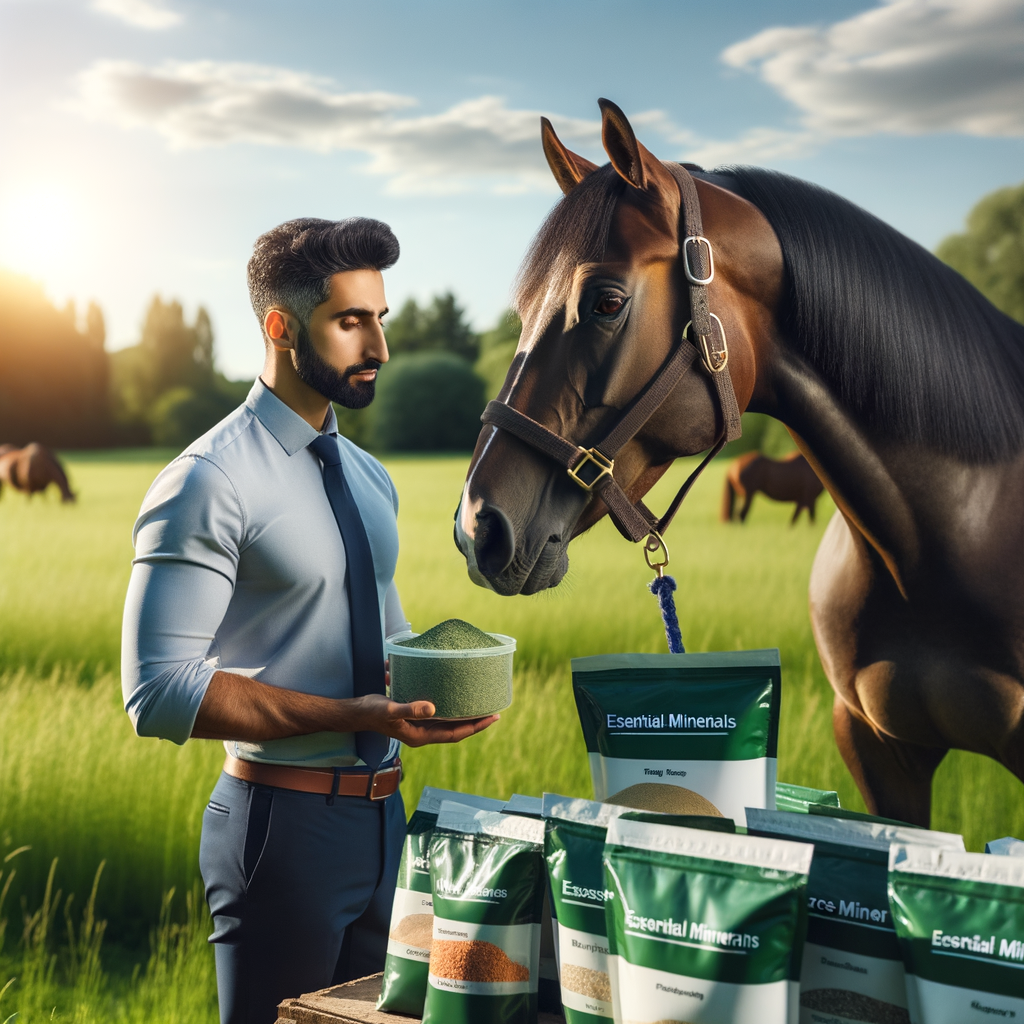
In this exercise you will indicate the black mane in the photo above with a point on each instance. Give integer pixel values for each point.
(908, 345)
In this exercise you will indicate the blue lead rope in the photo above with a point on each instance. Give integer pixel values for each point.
(662, 587)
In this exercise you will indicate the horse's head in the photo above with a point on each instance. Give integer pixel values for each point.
(604, 301)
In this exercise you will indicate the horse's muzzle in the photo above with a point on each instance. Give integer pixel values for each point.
(487, 541)
(494, 541)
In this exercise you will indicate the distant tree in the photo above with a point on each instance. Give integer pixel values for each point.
(170, 354)
(167, 386)
(497, 348)
(180, 415)
(439, 326)
(54, 375)
(355, 424)
(426, 401)
(990, 253)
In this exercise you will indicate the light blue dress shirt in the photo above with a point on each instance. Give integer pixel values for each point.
(240, 566)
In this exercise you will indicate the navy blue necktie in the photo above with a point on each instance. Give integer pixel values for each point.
(361, 585)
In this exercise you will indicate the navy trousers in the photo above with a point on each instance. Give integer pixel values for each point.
(300, 891)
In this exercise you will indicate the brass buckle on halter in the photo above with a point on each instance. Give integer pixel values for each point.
(714, 361)
(605, 467)
(690, 275)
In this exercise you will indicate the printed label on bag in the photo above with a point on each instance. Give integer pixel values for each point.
(412, 925)
(484, 959)
(584, 976)
(731, 786)
(659, 996)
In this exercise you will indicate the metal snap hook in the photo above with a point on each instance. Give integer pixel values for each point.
(654, 544)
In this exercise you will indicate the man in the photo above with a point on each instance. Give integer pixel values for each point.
(260, 592)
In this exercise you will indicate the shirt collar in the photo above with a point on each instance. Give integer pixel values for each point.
(290, 430)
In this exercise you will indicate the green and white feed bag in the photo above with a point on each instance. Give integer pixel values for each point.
(704, 927)
(960, 922)
(708, 723)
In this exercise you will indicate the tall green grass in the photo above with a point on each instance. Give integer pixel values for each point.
(77, 785)
(65, 567)
(57, 970)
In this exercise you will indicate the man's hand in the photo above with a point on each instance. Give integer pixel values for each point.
(413, 723)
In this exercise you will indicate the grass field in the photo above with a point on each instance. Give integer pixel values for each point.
(77, 785)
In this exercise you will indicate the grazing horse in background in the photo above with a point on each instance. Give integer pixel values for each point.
(787, 479)
(32, 469)
(901, 384)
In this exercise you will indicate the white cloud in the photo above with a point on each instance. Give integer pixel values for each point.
(207, 103)
(907, 67)
(754, 146)
(139, 13)
(903, 67)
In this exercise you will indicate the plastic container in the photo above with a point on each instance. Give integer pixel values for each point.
(460, 684)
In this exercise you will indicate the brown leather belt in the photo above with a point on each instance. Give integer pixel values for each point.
(329, 782)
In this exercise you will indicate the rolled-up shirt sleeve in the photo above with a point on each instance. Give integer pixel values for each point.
(394, 618)
(187, 540)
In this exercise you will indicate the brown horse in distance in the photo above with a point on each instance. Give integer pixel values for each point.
(32, 469)
(904, 389)
(787, 479)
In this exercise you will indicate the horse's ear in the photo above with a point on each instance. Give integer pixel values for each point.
(568, 168)
(621, 145)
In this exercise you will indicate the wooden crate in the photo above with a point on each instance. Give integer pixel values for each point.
(353, 1003)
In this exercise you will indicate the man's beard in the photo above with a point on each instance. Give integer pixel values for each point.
(333, 384)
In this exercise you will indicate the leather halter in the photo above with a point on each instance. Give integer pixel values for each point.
(593, 468)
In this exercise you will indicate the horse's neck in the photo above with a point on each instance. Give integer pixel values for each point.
(866, 483)
(903, 498)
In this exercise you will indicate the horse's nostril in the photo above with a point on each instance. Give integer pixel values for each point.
(554, 539)
(494, 542)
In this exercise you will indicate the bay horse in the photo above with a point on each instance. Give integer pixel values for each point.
(787, 479)
(901, 385)
(32, 469)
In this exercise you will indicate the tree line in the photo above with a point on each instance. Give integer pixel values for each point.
(440, 376)
(60, 386)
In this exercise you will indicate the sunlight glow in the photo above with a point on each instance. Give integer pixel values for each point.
(39, 229)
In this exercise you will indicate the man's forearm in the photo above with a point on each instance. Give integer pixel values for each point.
(239, 708)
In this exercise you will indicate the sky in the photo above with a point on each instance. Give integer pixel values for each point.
(145, 144)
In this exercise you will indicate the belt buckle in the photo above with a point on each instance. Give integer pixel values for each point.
(371, 786)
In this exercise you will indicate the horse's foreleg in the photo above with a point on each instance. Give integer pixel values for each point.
(748, 498)
(59, 477)
(728, 501)
(796, 514)
(894, 777)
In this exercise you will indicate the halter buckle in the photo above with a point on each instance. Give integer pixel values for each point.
(605, 467)
(690, 275)
(715, 360)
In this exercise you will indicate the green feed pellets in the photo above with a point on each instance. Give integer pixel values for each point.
(463, 671)
(451, 635)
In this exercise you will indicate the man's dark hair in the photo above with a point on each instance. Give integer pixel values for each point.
(291, 265)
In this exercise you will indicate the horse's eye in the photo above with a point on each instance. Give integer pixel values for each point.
(609, 305)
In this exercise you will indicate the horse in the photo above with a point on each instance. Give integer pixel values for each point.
(787, 479)
(32, 469)
(901, 385)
